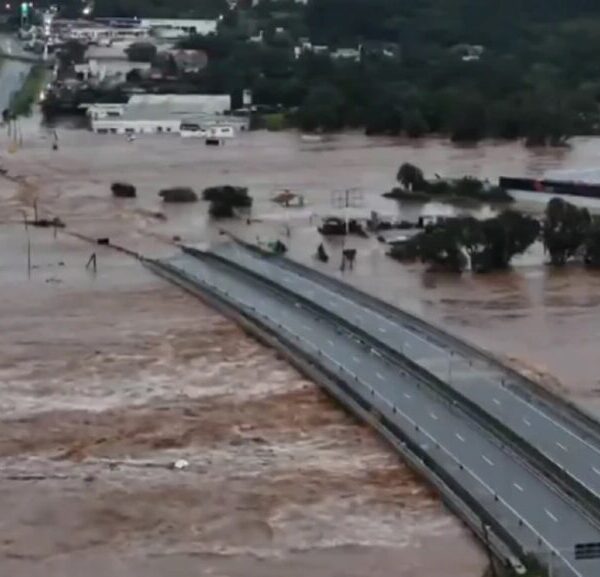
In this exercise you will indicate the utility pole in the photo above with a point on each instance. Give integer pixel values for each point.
(24, 213)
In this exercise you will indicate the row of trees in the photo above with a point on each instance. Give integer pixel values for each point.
(487, 245)
(566, 231)
(414, 185)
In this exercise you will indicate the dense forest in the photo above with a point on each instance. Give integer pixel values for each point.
(467, 68)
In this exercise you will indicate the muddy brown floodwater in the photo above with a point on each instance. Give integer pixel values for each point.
(106, 379)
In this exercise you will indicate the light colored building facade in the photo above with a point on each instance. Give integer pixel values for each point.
(177, 27)
(167, 114)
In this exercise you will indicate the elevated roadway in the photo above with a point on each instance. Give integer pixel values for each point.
(572, 450)
(491, 486)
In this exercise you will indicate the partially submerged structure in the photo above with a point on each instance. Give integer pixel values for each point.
(185, 114)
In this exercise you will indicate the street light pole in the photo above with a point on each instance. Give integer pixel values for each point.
(24, 213)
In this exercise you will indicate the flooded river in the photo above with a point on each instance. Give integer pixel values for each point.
(121, 367)
(546, 319)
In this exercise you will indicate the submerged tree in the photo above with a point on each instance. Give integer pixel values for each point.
(506, 235)
(565, 229)
(441, 247)
(489, 244)
(411, 177)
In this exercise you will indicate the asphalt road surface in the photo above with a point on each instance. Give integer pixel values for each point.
(521, 500)
(482, 383)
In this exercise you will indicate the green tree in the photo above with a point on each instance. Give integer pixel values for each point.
(507, 235)
(564, 230)
(441, 247)
(411, 177)
(384, 114)
(415, 124)
(322, 109)
(467, 121)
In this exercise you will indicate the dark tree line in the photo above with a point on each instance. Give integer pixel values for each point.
(538, 76)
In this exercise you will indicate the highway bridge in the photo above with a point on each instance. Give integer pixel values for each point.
(521, 468)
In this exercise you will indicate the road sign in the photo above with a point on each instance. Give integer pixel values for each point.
(587, 551)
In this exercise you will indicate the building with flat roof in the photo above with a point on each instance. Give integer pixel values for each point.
(176, 27)
(164, 113)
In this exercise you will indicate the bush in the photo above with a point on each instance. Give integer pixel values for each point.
(233, 195)
(220, 209)
(123, 190)
(439, 187)
(178, 194)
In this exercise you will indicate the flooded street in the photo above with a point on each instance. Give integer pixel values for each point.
(12, 76)
(110, 377)
(12, 72)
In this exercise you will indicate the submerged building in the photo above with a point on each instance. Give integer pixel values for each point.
(166, 113)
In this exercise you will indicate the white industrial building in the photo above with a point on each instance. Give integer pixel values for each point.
(177, 27)
(127, 30)
(106, 68)
(165, 113)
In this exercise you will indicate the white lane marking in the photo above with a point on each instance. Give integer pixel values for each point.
(297, 305)
(376, 353)
(553, 517)
(356, 359)
(396, 323)
(307, 328)
(488, 460)
(496, 401)
(408, 396)
(460, 437)
(561, 446)
(330, 343)
(597, 471)
(433, 416)
(380, 376)
(518, 487)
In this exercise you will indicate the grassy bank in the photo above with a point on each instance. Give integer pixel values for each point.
(23, 101)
